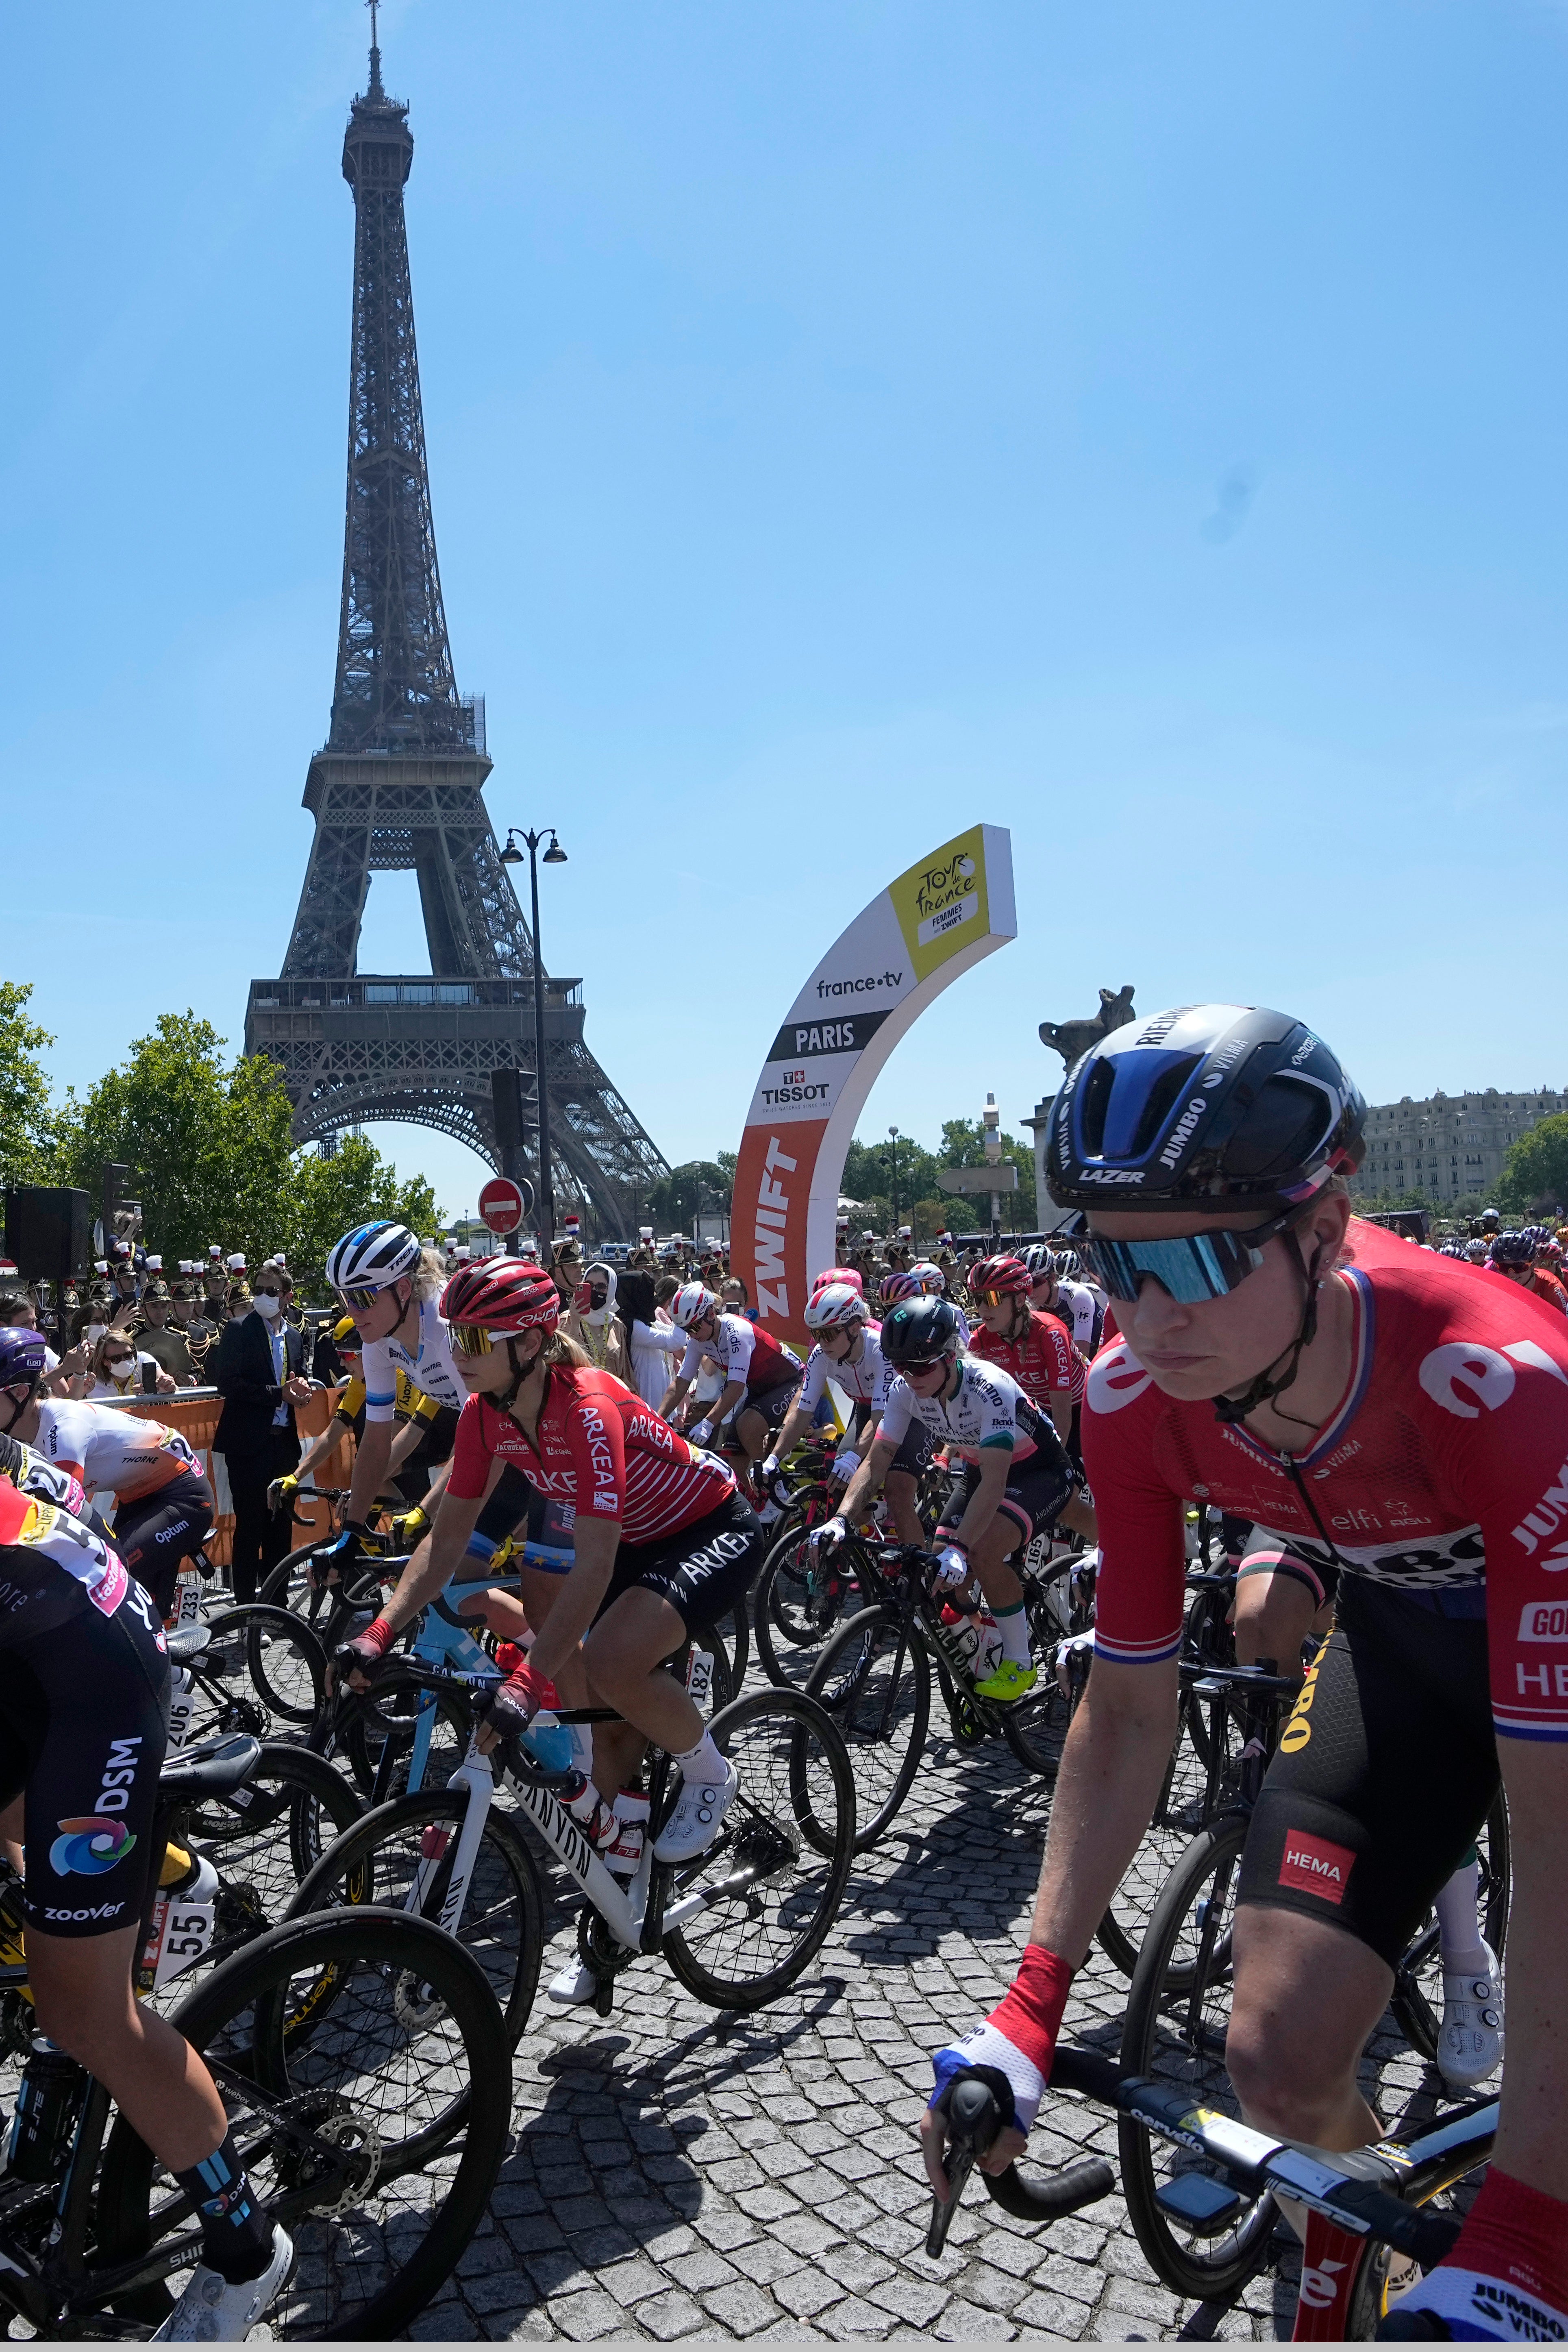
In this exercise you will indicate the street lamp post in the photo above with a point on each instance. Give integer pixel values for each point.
(893, 1155)
(554, 856)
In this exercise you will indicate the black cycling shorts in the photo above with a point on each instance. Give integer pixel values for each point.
(1036, 1491)
(917, 1451)
(704, 1572)
(438, 1433)
(773, 1404)
(153, 1533)
(1385, 1773)
(1265, 1555)
(83, 1727)
(508, 1507)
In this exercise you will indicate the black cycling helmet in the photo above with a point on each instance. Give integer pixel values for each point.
(919, 1330)
(1206, 1106)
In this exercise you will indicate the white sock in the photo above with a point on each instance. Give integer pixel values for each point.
(703, 1764)
(1012, 1625)
(1457, 1923)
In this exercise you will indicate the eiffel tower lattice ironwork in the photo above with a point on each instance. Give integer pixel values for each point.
(400, 784)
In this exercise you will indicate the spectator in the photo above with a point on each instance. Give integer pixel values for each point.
(735, 1299)
(215, 1286)
(566, 1272)
(650, 1343)
(120, 1371)
(592, 1322)
(260, 1374)
(198, 1327)
(18, 1309)
(159, 1338)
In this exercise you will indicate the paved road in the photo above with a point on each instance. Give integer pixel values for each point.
(678, 2175)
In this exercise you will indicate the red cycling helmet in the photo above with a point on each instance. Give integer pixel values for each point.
(1008, 1277)
(503, 1295)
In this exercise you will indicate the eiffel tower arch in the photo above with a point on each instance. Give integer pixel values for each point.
(399, 786)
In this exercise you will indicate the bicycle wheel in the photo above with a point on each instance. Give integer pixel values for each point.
(1417, 1996)
(771, 1886)
(1179, 1816)
(376, 2140)
(1178, 2009)
(286, 1664)
(263, 1839)
(379, 1859)
(796, 1604)
(873, 1677)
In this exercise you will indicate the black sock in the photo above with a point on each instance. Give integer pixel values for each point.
(236, 2227)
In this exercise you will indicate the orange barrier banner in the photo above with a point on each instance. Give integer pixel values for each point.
(195, 1412)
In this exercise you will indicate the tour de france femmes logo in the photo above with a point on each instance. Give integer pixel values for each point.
(88, 1846)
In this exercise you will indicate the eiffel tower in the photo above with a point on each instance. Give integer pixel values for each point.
(398, 785)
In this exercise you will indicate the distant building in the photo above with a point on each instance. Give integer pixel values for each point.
(1449, 1147)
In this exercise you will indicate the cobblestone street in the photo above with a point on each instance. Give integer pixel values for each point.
(678, 2174)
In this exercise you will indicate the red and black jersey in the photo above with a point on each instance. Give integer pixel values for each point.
(1042, 1359)
(1442, 1474)
(599, 1447)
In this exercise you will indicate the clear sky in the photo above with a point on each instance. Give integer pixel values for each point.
(1143, 427)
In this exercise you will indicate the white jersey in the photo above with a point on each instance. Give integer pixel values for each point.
(742, 1352)
(866, 1381)
(110, 1452)
(429, 1366)
(989, 1409)
(1077, 1306)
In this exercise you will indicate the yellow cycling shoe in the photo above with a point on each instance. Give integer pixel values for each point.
(1007, 1682)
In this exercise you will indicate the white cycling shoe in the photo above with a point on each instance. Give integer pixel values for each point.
(575, 1987)
(211, 2310)
(1470, 2046)
(697, 1817)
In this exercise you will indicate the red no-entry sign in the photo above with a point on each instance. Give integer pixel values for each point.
(501, 1205)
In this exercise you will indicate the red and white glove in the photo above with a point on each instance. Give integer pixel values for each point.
(1018, 2037)
(513, 1705)
(364, 1654)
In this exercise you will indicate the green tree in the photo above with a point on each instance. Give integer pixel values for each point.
(1535, 1170)
(27, 1119)
(329, 1195)
(964, 1146)
(697, 1188)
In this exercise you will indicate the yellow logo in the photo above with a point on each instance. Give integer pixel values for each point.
(1299, 1729)
(941, 903)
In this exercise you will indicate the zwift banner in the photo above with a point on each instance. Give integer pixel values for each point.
(913, 940)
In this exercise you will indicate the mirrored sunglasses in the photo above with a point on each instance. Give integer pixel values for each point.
(1190, 1266)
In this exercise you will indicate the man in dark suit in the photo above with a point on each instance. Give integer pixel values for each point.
(260, 1375)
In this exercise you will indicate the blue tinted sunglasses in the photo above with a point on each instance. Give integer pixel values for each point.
(1190, 1266)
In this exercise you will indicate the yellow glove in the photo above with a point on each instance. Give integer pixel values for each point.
(413, 1525)
(281, 1492)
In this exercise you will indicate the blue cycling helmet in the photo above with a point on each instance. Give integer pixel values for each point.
(1515, 1249)
(1205, 1105)
(23, 1356)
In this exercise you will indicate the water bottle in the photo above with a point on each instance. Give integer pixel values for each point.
(962, 1636)
(989, 1646)
(549, 1741)
(49, 2100)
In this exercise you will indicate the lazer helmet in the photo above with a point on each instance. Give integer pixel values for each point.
(690, 1304)
(1203, 1107)
(23, 1356)
(1005, 1277)
(895, 1286)
(1514, 1249)
(920, 1330)
(503, 1296)
(829, 1308)
(369, 1257)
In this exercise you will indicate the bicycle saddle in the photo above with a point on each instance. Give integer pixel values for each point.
(187, 1642)
(212, 1769)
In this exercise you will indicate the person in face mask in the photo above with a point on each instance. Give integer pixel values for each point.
(593, 1323)
(260, 1372)
(119, 1369)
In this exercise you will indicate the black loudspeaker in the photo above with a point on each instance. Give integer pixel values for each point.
(514, 1105)
(49, 1231)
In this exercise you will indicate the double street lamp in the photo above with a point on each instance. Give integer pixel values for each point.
(554, 856)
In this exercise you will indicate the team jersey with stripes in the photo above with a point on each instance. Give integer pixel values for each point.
(1042, 1359)
(865, 1381)
(988, 1409)
(599, 1447)
(110, 1451)
(742, 1352)
(1442, 1474)
(429, 1366)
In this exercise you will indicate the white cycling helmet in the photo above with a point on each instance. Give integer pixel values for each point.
(930, 1277)
(690, 1304)
(371, 1257)
(1068, 1266)
(1040, 1262)
(836, 1304)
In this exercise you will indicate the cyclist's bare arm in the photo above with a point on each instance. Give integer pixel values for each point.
(1532, 2144)
(437, 1557)
(866, 1484)
(672, 1396)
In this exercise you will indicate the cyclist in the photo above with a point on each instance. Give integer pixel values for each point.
(1380, 1411)
(932, 1283)
(419, 1422)
(1515, 1256)
(389, 1285)
(1016, 1478)
(848, 1352)
(663, 1542)
(760, 1378)
(162, 1505)
(1036, 1350)
(1056, 1291)
(84, 1687)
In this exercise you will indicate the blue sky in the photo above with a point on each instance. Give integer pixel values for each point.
(1145, 427)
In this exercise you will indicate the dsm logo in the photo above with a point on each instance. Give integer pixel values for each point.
(89, 1845)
